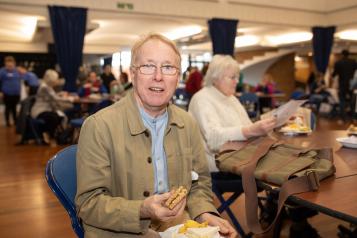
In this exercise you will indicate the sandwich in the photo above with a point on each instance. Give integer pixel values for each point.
(176, 197)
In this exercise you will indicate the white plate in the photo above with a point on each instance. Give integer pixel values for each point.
(345, 142)
(295, 132)
(174, 230)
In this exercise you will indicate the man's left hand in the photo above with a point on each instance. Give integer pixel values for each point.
(226, 229)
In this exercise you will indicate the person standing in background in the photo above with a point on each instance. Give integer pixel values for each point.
(344, 68)
(31, 79)
(10, 88)
(194, 82)
(107, 76)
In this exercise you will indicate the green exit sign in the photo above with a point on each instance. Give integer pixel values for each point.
(125, 5)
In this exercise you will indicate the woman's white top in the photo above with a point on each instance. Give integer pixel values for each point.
(220, 118)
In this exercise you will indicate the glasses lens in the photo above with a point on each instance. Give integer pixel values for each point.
(168, 70)
(147, 69)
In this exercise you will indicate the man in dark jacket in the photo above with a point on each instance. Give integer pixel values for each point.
(344, 68)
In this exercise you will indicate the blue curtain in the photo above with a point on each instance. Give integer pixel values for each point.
(68, 29)
(223, 33)
(322, 42)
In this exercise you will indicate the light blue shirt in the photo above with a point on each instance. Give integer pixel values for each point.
(157, 128)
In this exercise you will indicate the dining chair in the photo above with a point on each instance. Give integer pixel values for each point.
(27, 126)
(228, 183)
(77, 123)
(61, 177)
(250, 102)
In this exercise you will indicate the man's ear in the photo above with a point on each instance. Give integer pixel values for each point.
(132, 74)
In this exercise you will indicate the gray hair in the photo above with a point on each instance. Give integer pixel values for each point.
(217, 67)
(153, 36)
(50, 77)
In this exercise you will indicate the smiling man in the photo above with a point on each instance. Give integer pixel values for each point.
(133, 153)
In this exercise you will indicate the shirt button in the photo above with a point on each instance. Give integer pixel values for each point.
(149, 160)
(146, 193)
(160, 182)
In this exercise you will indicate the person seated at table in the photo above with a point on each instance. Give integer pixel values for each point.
(267, 87)
(92, 86)
(107, 76)
(220, 115)
(131, 154)
(319, 91)
(124, 80)
(49, 106)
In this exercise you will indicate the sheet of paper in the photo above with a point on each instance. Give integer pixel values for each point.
(285, 111)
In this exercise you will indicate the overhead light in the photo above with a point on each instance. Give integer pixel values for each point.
(182, 32)
(297, 58)
(347, 35)
(246, 40)
(288, 38)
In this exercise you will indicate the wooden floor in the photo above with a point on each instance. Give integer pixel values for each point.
(29, 209)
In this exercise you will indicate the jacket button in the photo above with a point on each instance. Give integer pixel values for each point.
(146, 193)
(149, 160)
(146, 133)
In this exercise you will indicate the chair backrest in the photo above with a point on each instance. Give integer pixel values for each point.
(297, 94)
(250, 102)
(61, 177)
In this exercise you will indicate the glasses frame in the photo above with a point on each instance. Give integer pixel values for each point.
(155, 66)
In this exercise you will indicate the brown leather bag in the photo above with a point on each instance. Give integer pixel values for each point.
(294, 169)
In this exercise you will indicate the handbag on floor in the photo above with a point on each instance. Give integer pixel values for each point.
(293, 169)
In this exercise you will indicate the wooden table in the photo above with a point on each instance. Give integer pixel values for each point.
(337, 196)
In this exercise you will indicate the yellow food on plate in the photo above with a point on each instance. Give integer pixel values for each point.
(352, 128)
(294, 127)
(192, 224)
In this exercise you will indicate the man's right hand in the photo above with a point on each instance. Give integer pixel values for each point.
(153, 208)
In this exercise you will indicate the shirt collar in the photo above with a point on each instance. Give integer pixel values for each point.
(135, 122)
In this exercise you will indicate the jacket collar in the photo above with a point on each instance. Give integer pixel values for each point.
(135, 122)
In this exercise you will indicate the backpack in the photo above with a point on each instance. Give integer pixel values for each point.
(293, 169)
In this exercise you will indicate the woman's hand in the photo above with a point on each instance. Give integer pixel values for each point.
(259, 128)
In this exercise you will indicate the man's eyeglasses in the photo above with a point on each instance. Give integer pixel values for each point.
(150, 69)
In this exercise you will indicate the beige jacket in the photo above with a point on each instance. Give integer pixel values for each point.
(115, 172)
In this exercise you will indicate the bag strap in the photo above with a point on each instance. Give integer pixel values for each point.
(292, 186)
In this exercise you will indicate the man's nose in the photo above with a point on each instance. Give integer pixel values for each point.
(158, 74)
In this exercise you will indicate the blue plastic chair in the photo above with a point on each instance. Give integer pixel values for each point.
(61, 177)
(250, 102)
